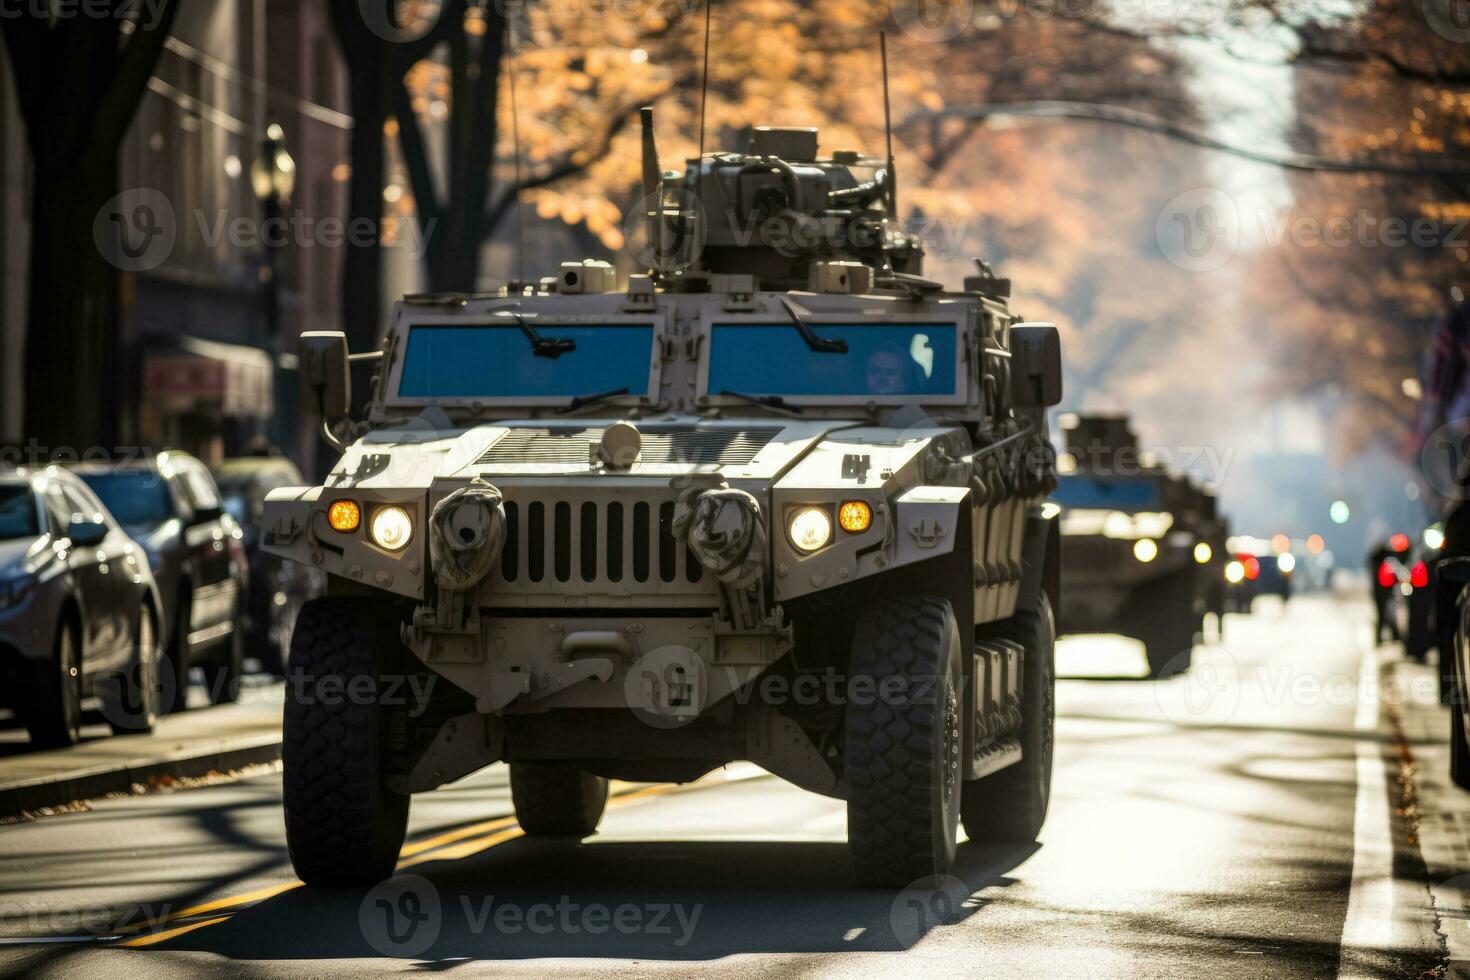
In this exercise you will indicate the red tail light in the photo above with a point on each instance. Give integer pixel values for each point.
(1386, 576)
(1252, 567)
(1419, 577)
(1399, 543)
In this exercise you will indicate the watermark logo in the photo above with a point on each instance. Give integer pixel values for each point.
(400, 21)
(1199, 230)
(401, 917)
(937, 900)
(667, 687)
(1443, 462)
(1205, 691)
(932, 21)
(666, 233)
(1450, 19)
(136, 231)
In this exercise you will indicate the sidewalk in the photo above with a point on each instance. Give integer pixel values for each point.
(192, 744)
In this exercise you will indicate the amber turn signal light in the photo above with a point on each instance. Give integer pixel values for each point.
(344, 515)
(855, 516)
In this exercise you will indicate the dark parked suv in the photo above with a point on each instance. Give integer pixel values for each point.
(169, 504)
(278, 588)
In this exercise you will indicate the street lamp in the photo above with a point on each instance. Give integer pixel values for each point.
(273, 178)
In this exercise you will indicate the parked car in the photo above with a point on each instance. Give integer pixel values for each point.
(78, 610)
(171, 506)
(278, 588)
(1255, 569)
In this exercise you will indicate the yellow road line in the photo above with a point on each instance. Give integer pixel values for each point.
(158, 937)
(452, 845)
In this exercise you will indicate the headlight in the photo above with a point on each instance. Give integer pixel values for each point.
(1145, 549)
(1203, 552)
(392, 528)
(14, 593)
(344, 515)
(1286, 561)
(1234, 572)
(855, 516)
(810, 528)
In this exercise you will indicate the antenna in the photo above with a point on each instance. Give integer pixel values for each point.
(515, 140)
(704, 86)
(888, 128)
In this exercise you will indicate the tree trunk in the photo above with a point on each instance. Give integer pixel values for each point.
(71, 332)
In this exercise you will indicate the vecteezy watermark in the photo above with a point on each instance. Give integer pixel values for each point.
(412, 692)
(667, 687)
(33, 454)
(138, 231)
(1445, 460)
(937, 900)
(1450, 19)
(97, 921)
(934, 21)
(1208, 464)
(1199, 230)
(406, 21)
(405, 915)
(146, 14)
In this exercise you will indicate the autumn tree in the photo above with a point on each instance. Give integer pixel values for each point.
(79, 80)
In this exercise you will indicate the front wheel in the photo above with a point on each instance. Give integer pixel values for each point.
(131, 700)
(557, 801)
(344, 824)
(54, 712)
(222, 675)
(1010, 806)
(903, 747)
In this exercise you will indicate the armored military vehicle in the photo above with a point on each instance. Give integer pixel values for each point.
(615, 526)
(1142, 549)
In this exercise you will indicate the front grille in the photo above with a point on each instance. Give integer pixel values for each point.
(661, 444)
(619, 544)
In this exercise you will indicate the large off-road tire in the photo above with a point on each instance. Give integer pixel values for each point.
(1459, 753)
(344, 825)
(132, 697)
(903, 752)
(53, 713)
(557, 801)
(1010, 806)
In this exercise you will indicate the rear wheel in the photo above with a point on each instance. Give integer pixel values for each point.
(222, 675)
(557, 801)
(903, 751)
(176, 657)
(344, 824)
(54, 714)
(1010, 806)
(133, 707)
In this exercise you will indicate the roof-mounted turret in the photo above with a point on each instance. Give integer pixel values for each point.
(779, 213)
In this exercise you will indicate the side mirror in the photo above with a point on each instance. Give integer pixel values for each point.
(326, 378)
(86, 534)
(1036, 365)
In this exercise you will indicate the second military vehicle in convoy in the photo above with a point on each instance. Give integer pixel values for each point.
(1142, 549)
(780, 499)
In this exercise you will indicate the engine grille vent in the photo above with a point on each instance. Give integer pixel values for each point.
(722, 447)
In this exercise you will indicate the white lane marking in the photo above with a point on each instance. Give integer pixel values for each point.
(1368, 926)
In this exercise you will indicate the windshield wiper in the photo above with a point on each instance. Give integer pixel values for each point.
(775, 402)
(582, 401)
(819, 345)
(552, 347)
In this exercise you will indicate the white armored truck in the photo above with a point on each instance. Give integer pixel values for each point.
(779, 499)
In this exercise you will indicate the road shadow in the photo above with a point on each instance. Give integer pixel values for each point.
(532, 899)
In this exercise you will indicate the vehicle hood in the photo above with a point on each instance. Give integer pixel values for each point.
(734, 449)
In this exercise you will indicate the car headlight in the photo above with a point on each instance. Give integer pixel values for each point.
(391, 528)
(14, 593)
(1203, 552)
(1235, 573)
(1145, 549)
(810, 528)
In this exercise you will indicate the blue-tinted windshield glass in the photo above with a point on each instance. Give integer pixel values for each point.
(18, 513)
(1092, 493)
(497, 361)
(133, 496)
(882, 359)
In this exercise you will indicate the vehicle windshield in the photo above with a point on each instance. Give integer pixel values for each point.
(498, 361)
(133, 496)
(1096, 493)
(883, 360)
(18, 517)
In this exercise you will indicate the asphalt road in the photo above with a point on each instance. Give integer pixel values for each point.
(1250, 819)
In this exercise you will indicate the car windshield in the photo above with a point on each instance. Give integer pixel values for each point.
(895, 360)
(498, 361)
(18, 518)
(1093, 493)
(133, 496)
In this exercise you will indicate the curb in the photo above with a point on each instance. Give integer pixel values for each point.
(17, 799)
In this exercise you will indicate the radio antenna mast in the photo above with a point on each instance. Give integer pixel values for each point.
(515, 141)
(888, 129)
(704, 85)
